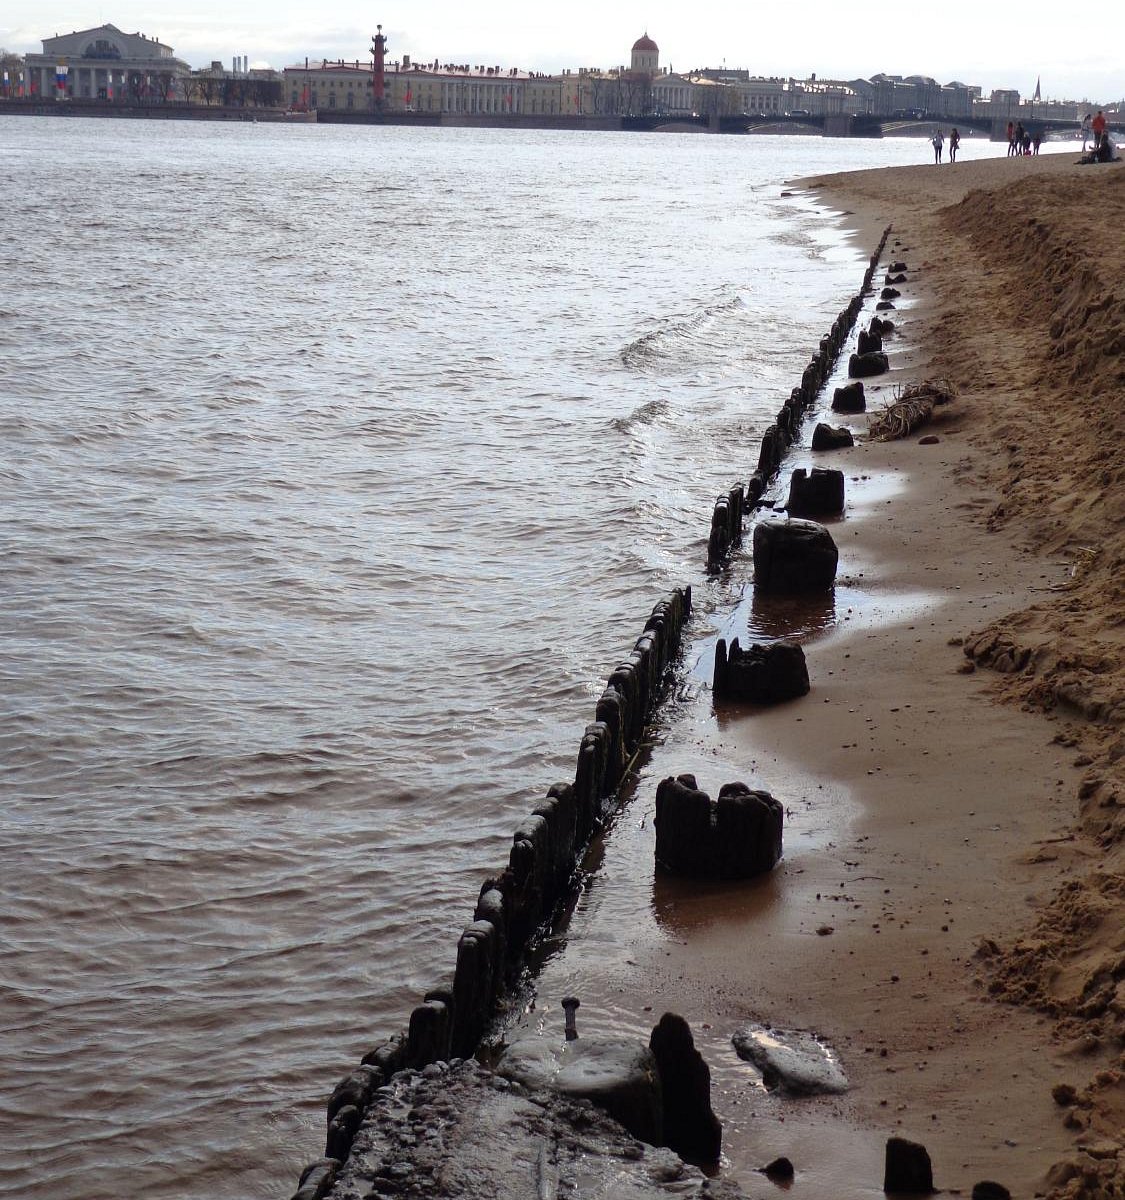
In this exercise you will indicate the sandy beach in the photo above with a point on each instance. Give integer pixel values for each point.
(971, 977)
(950, 912)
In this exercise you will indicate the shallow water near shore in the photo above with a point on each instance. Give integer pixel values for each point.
(340, 467)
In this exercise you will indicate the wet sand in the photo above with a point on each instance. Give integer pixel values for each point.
(949, 911)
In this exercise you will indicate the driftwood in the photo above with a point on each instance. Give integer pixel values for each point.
(910, 409)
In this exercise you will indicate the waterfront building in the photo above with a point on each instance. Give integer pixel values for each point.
(438, 88)
(461, 89)
(1005, 105)
(674, 95)
(826, 98)
(105, 63)
(239, 87)
(757, 95)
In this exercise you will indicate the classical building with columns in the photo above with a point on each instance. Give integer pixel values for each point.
(104, 63)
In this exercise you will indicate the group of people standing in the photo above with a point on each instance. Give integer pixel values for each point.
(938, 143)
(1093, 128)
(1102, 149)
(1021, 141)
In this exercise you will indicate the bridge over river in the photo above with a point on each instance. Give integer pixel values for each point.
(890, 126)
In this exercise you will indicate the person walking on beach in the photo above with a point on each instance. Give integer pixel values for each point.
(938, 142)
(1097, 128)
(1085, 131)
(1036, 141)
(954, 143)
(1011, 139)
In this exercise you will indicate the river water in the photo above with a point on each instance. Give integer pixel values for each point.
(338, 468)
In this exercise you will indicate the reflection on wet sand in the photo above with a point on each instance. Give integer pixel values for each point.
(681, 906)
(800, 615)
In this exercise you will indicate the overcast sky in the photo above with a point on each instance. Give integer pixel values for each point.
(1077, 52)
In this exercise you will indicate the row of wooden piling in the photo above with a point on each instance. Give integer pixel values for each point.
(731, 508)
(514, 905)
(548, 845)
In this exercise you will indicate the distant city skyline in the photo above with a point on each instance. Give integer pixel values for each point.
(973, 43)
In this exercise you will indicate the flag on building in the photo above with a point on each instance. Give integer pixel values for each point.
(7, 84)
(409, 97)
(60, 76)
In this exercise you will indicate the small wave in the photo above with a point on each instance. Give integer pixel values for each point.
(673, 339)
(647, 414)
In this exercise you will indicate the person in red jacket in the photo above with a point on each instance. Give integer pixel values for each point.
(1097, 128)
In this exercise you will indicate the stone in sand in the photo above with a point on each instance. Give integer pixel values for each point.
(883, 305)
(831, 437)
(889, 293)
(791, 1061)
(850, 398)
(780, 1170)
(794, 556)
(816, 493)
(863, 365)
(908, 1169)
(763, 674)
(988, 1189)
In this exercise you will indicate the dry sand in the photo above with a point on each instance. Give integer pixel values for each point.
(1023, 262)
(1016, 517)
(950, 911)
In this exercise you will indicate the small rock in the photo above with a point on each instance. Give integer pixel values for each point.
(779, 1170)
(832, 437)
(1064, 1094)
(988, 1189)
(931, 439)
(791, 1061)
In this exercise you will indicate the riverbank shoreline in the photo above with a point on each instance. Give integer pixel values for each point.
(931, 828)
(939, 859)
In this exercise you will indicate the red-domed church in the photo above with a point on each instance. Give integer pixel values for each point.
(646, 55)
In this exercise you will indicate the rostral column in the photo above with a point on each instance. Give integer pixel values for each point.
(378, 77)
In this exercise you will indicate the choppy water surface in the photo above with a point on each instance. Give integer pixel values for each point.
(338, 468)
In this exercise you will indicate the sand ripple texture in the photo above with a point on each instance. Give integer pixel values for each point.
(338, 468)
